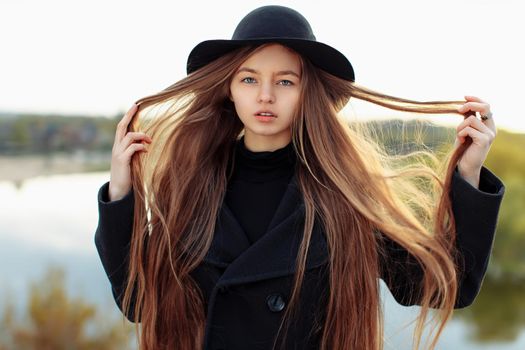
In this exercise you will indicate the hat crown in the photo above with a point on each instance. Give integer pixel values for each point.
(273, 22)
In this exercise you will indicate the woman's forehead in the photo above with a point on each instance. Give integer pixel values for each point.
(274, 57)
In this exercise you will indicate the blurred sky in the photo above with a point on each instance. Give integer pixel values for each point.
(98, 57)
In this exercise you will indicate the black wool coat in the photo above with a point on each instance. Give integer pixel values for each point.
(247, 287)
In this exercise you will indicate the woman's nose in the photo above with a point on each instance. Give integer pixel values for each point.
(266, 93)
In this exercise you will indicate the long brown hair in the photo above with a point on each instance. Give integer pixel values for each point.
(347, 181)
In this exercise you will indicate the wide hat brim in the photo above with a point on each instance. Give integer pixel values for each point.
(321, 55)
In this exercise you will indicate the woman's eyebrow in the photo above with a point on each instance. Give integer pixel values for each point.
(282, 72)
(288, 72)
(246, 69)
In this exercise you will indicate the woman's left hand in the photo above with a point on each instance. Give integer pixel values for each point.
(482, 133)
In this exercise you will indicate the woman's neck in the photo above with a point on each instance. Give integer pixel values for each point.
(264, 143)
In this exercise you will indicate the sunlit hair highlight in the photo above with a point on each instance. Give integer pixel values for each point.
(362, 196)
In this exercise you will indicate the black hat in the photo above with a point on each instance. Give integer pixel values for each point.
(277, 24)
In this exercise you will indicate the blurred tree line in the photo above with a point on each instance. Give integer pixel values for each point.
(53, 320)
(36, 134)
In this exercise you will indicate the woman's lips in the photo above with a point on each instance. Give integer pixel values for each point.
(265, 116)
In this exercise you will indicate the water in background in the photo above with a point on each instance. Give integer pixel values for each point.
(51, 221)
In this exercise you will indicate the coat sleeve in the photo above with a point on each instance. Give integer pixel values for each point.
(112, 240)
(475, 212)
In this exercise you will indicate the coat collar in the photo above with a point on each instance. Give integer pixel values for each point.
(275, 253)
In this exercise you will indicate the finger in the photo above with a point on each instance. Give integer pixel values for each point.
(132, 149)
(133, 137)
(476, 123)
(480, 107)
(463, 133)
(478, 137)
(473, 98)
(490, 123)
(122, 126)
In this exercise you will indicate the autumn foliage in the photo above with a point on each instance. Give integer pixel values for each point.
(53, 320)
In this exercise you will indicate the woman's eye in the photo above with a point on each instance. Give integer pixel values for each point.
(286, 82)
(248, 80)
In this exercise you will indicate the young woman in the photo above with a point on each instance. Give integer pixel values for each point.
(243, 213)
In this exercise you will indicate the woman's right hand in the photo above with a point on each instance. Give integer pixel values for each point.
(125, 145)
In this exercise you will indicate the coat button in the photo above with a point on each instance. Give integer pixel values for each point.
(275, 302)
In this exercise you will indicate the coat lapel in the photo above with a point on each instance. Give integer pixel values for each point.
(274, 254)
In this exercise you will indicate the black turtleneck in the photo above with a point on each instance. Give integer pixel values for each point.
(257, 185)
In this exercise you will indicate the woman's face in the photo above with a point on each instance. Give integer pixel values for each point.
(265, 91)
